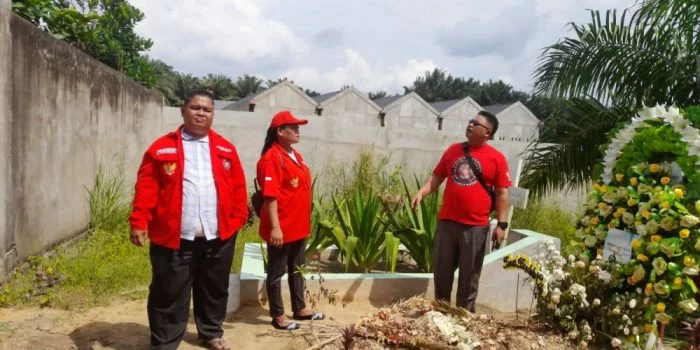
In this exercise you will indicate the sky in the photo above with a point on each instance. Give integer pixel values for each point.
(375, 45)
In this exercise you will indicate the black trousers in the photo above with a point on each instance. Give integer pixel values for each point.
(458, 245)
(201, 267)
(285, 258)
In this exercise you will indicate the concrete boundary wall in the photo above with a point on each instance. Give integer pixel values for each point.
(63, 114)
(329, 141)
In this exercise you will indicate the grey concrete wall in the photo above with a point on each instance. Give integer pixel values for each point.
(518, 124)
(412, 114)
(325, 143)
(458, 116)
(6, 251)
(349, 108)
(69, 113)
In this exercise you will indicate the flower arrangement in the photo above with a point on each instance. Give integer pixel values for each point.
(650, 187)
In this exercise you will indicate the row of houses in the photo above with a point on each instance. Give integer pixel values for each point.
(353, 107)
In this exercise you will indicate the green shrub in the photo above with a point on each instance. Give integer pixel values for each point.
(546, 219)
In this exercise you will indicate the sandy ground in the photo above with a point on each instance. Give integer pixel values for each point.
(125, 326)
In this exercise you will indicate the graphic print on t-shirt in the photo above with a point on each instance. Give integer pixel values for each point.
(462, 173)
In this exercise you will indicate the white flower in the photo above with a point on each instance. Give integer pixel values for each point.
(615, 343)
(555, 299)
(558, 274)
(576, 289)
(596, 302)
(604, 276)
(616, 311)
(633, 303)
(635, 330)
(626, 331)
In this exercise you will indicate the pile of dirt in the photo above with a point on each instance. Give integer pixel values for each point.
(419, 323)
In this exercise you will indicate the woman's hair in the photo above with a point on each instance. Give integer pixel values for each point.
(270, 138)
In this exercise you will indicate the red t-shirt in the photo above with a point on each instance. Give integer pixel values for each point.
(465, 200)
(281, 178)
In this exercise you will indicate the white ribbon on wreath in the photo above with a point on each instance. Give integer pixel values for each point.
(670, 115)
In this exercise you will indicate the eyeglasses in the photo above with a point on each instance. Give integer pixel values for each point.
(474, 122)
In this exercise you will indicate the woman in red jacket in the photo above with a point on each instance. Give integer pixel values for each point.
(285, 217)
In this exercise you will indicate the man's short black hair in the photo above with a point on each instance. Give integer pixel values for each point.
(492, 120)
(198, 92)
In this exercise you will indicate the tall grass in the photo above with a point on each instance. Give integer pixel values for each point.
(108, 201)
(546, 219)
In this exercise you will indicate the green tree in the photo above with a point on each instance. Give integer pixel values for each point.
(612, 66)
(248, 85)
(184, 84)
(104, 29)
(220, 85)
(164, 77)
(377, 95)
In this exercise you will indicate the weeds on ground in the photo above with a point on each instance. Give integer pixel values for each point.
(94, 269)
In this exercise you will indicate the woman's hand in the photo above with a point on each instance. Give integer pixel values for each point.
(276, 237)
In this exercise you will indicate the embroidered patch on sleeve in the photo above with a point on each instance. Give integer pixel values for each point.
(268, 178)
(169, 150)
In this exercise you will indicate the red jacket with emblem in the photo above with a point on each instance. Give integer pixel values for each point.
(288, 182)
(157, 205)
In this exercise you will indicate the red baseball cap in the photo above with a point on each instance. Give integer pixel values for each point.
(286, 117)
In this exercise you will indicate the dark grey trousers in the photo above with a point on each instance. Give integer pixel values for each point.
(199, 266)
(280, 260)
(458, 245)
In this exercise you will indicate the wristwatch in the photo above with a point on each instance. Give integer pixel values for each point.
(502, 224)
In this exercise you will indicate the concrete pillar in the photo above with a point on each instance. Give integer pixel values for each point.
(6, 231)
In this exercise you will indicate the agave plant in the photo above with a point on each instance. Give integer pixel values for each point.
(361, 232)
(415, 228)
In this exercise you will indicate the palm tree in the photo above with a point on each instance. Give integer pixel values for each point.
(164, 77)
(248, 85)
(184, 84)
(220, 85)
(644, 57)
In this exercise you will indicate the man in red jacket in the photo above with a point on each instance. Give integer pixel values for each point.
(190, 201)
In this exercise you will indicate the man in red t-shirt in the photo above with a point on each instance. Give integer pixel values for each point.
(477, 175)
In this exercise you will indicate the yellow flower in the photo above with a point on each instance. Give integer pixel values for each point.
(649, 289)
(665, 180)
(648, 328)
(631, 280)
(620, 210)
(642, 258)
(677, 283)
(678, 193)
(655, 238)
(602, 205)
(636, 243)
(665, 205)
(631, 202)
(619, 177)
(633, 181)
(596, 187)
(595, 220)
(646, 214)
(612, 224)
(684, 233)
(688, 261)
(660, 307)
(654, 168)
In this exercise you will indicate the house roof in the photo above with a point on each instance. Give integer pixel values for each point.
(441, 106)
(221, 104)
(385, 101)
(497, 108)
(321, 98)
(245, 101)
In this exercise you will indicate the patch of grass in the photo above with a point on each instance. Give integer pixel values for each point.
(92, 270)
(546, 219)
(248, 234)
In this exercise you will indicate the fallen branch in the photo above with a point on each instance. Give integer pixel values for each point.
(321, 345)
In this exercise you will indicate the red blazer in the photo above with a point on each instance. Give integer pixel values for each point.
(157, 205)
(289, 182)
